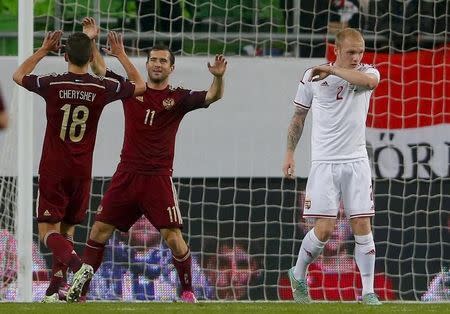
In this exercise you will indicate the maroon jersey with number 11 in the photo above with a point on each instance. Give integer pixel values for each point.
(151, 125)
(142, 184)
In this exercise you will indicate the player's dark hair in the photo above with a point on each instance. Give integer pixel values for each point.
(159, 47)
(78, 49)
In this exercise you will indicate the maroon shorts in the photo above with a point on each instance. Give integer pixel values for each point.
(62, 199)
(131, 195)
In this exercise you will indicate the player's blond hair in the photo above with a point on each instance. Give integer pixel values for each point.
(350, 33)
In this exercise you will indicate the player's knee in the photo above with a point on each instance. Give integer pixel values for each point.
(323, 232)
(171, 239)
(174, 241)
(101, 232)
(45, 228)
(42, 236)
(361, 226)
(323, 228)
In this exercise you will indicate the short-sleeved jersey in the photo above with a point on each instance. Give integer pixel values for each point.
(74, 103)
(339, 115)
(151, 125)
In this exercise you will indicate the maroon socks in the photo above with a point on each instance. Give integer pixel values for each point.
(183, 266)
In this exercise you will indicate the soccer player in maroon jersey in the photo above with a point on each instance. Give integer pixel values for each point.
(142, 184)
(3, 114)
(74, 102)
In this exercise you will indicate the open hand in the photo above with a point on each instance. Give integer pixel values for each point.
(218, 67)
(320, 72)
(52, 41)
(115, 42)
(90, 28)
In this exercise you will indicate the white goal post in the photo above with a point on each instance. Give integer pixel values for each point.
(24, 222)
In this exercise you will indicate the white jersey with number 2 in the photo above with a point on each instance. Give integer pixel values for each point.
(339, 116)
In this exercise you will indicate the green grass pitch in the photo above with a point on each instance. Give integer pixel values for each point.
(219, 308)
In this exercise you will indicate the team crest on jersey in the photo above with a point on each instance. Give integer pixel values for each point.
(168, 103)
(307, 202)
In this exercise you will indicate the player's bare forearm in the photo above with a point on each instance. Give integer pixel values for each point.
(91, 29)
(215, 92)
(3, 120)
(52, 42)
(217, 69)
(98, 64)
(117, 50)
(28, 65)
(295, 129)
(355, 77)
(132, 73)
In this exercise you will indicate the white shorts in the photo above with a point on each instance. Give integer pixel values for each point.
(329, 183)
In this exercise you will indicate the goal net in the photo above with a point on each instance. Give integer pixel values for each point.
(8, 201)
(242, 220)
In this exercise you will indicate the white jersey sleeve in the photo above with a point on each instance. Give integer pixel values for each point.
(370, 69)
(339, 114)
(304, 96)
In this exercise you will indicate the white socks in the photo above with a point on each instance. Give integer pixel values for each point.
(310, 249)
(364, 256)
(365, 259)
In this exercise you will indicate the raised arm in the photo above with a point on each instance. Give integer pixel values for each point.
(117, 50)
(295, 131)
(91, 29)
(3, 120)
(3, 114)
(367, 80)
(52, 42)
(215, 92)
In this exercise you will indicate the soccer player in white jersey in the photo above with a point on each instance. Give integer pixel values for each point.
(338, 95)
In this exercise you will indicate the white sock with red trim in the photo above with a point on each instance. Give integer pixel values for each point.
(310, 249)
(365, 259)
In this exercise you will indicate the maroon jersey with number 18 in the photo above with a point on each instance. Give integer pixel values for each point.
(74, 103)
(151, 125)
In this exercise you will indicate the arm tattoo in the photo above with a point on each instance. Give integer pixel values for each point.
(295, 129)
